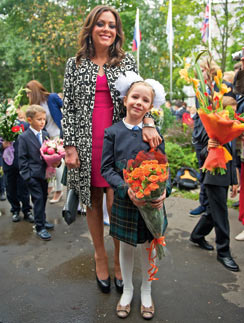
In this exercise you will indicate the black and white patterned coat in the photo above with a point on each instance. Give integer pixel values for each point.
(78, 103)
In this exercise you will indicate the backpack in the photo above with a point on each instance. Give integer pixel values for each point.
(186, 178)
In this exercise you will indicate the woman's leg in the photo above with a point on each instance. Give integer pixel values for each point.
(126, 257)
(109, 200)
(94, 217)
(146, 298)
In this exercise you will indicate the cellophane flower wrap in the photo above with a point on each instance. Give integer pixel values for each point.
(220, 124)
(10, 126)
(146, 175)
(52, 152)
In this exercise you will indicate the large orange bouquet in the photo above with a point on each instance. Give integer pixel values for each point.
(220, 124)
(147, 175)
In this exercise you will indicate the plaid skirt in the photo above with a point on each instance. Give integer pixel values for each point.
(127, 223)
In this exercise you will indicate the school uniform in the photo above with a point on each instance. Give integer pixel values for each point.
(120, 145)
(217, 211)
(33, 171)
(16, 189)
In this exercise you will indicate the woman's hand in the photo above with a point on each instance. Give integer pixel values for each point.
(151, 136)
(134, 200)
(213, 143)
(71, 157)
(158, 204)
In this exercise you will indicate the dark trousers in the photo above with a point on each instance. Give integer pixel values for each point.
(217, 218)
(17, 191)
(203, 199)
(2, 178)
(38, 190)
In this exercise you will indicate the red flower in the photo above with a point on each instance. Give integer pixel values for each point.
(22, 127)
(210, 108)
(206, 94)
(15, 129)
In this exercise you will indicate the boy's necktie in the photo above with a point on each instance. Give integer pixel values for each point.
(39, 137)
(135, 128)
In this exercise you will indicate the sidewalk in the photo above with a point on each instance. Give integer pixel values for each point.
(54, 282)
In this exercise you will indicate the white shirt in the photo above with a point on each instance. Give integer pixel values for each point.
(51, 127)
(130, 126)
(36, 132)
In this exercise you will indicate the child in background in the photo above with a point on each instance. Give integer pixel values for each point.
(122, 142)
(33, 167)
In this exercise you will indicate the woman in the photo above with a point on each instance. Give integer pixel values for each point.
(52, 103)
(91, 104)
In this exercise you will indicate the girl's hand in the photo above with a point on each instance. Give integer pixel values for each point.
(134, 200)
(158, 204)
(71, 157)
(213, 143)
(234, 191)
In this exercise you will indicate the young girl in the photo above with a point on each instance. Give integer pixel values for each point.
(122, 142)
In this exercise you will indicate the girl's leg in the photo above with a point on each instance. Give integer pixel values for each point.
(95, 225)
(58, 191)
(146, 298)
(126, 257)
(109, 200)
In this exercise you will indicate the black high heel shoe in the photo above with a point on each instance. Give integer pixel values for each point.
(119, 284)
(104, 285)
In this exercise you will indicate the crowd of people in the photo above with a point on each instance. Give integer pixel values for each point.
(95, 99)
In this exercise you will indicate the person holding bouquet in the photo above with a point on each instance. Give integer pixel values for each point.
(33, 167)
(123, 141)
(91, 104)
(52, 103)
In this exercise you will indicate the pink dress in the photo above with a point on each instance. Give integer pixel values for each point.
(102, 117)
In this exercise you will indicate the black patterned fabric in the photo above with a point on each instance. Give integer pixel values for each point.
(78, 103)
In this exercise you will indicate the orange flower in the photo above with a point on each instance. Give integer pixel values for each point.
(139, 195)
(147, 191)
(153, 186)
(153, 178)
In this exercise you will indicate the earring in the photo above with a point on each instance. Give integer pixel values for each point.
(90, 41)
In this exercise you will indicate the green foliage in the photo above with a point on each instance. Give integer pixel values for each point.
(179, 157)
(168, 120)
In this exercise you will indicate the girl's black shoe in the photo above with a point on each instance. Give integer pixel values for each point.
(104, 285)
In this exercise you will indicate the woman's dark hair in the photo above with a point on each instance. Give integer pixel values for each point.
(38, 93)
(87, 50)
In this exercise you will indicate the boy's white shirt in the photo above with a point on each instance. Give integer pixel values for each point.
(36, 132)
(130, 126)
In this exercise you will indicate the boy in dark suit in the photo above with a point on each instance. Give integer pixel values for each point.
(17, 192)
(217, 211)
(33, 167)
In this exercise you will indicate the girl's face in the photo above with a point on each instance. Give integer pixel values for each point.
(138, 102)
(104, 31)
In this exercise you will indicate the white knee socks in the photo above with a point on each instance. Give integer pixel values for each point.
(146, 298)
(126, 258)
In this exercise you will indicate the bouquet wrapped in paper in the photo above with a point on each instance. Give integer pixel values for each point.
(10, 126)
(52, 152)
(220, 124)
(146, 176)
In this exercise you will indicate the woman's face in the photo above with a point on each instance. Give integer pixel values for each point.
(104, 31)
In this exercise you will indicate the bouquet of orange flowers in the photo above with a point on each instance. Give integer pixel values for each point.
(220, 124)
(147, 175)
